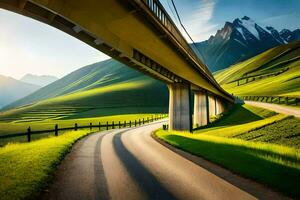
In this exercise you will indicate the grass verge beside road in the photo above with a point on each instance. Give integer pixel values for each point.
(26, 167)
(274, 165)
(253, 142)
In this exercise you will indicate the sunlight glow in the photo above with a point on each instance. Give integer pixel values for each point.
(29, 46)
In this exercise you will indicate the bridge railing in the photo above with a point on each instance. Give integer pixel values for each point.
(274, 99)
(161, 14)
(91, 126)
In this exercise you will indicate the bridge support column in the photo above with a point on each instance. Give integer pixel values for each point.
(180, 116)
(220, 106)
(201, 108)
(212, 106)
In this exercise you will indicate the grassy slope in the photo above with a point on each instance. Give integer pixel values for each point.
(285, 132)
(225, 144)
(271, 164)
(242, 119)
(105, 88)
(20, 127)
(284, 84)
(105, 73)
(88, 95)
(25, 168)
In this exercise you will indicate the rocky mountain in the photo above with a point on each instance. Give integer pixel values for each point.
(12, 90)
(41, 80)
(241, 39)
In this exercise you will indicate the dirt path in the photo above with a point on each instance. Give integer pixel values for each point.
(276, 108)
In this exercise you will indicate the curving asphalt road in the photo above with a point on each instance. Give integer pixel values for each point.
(129, 164)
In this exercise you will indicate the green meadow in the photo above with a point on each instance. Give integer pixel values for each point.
(253, 142)
(102, 92)
(275, 72)
(21, 127)
(25, 168)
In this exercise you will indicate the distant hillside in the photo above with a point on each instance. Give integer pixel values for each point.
(103, 88)
(12, 89)
(240, 40)
(42, 80)
(274, 72)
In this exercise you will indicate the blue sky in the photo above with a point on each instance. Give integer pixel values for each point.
(28, 46)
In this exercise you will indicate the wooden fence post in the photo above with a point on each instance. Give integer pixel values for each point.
(75, 127)
(119, 124)
(143, 121)
(106, 125)
(91, 126)
(130, 123)
(113, 125)
(29, 134)
(56, 130)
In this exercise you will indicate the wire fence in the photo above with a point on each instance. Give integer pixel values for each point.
(113, 125)
(274, 99)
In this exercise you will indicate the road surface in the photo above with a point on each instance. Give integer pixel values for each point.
(277, 108)
(129, 164)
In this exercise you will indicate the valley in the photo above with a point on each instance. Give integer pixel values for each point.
(155, 99)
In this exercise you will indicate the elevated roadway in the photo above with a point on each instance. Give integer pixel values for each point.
(140, 34)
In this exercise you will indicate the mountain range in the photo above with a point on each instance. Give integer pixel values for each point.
(12, 89)
(40, 80)
(239, 40)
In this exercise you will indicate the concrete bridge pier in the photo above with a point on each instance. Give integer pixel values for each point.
(201, 108)
(180, 115)
(219, 106)
(212, 105)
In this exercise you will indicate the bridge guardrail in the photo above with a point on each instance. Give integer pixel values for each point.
(107, 126)
(156, 8)
(161, 14)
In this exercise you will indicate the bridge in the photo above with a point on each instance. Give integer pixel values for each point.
(140, 34)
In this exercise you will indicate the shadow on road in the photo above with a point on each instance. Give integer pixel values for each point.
(101, 188)
(147, 182)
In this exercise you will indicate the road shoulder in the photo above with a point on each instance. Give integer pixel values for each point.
(252, 187)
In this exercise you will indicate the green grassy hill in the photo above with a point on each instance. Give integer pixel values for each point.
(101, 89)
(274, 72)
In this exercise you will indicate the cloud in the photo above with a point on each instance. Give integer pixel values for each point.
(198, 19)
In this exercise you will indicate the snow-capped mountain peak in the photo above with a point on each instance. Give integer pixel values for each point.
(249, 30)
(242, 39)
(250, 25)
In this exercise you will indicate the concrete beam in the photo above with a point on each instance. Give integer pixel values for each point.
(180, 116)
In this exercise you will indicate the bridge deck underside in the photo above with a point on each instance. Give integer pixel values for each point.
(120, 30)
